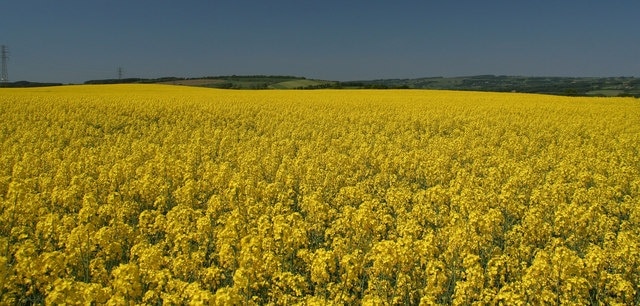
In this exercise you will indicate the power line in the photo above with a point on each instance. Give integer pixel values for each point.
(4, 78)
(120, 73)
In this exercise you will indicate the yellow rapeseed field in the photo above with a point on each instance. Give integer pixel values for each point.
(148, 194)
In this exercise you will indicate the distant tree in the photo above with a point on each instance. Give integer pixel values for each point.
(571, 92)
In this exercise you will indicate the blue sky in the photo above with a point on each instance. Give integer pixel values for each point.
(72, 41)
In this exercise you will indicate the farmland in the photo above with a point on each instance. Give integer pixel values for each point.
(147, 194)
(564, 86)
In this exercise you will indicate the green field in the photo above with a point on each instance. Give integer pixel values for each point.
(295, 84)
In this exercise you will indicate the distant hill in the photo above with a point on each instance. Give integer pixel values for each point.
(230, 82)
(22, 84)
(611, 86)
(572, 86)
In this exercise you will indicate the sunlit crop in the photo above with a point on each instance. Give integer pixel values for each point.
(141, 194)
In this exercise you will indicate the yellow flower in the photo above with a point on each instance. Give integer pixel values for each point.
(149, 194)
